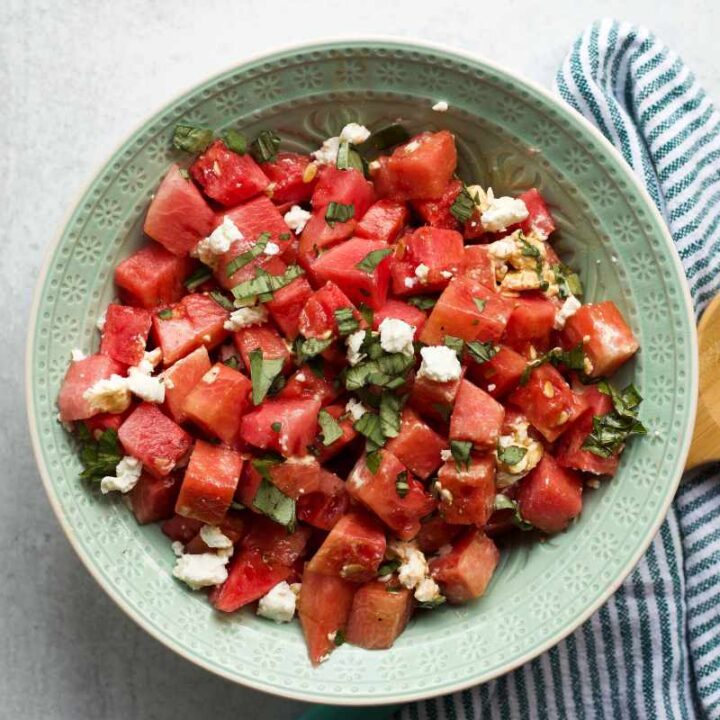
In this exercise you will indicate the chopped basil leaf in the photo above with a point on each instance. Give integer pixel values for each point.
(265, 146)
(184, 174)
(191, 139)
(329, 427)
(611, 431)
(244, 258)
(442, 410)
(390, 414)
(98, 457)
(463, 206)
(367, 313)
(422, 302)
(236, 506)
(369, 426)
(316, 365)
(262, 373)
(311, 347)
(481, 352)
(372, 461)
(274, 504)
(264, 284)
(349, 159)
(200, 276)
(511, 455)
(372, 260)
(402, 487)
(437, 601)
(235, 141)
(479, 304)
(276, 427)
(165, 314)
(388, 567)
(387, 371)
(339, 638)
(232, 362)
(573, 359)
(276, 385)
(460, 450)
(221, 300)
(527, 249)
(568, 281)
(454, 343)
(384, 138)
(337, 212)
(347, 322)
(503, 502)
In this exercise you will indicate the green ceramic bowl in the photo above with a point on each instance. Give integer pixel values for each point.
(510, 135)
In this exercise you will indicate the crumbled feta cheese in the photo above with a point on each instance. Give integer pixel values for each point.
(211, 375)
(440, 106)
(444, 493)
(327, 154)
(77, 355)
(413, 565)
(354, 342)
(150, 361)
(100, 322)
(518, 437)
(279, 604)
(412, 146)
(202, 569)
(214, 537)
(109, 395)
(177, 547)
(354, 133)
(421, 272)
(355, 408)
(410, 282)
(272, 249)
(218, 242)
(127, 473)
(148, 388)
(491, 387)
(396, 336)
(427, 590)
(446, 274)
(296, 218)
(445, 455)
(300, 377)
(568, 309)
(502, 249)
(245, 317)
(439, 363)
(521, 280)
(503, 212)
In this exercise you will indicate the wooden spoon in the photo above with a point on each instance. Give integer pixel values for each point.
(705, 446)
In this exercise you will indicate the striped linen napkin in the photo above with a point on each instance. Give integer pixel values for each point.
(653, 651)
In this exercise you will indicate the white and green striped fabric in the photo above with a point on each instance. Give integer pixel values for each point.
(653, 651)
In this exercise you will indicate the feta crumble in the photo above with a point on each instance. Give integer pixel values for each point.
(77, 355)
(413, 572)
(421, 272)
(214, 537)
(109, 395)
(568, 309)
(440, 106)
(127, 473)
(439, 363)
(410, 282)
(353, 343)
(246, 317)
(327, 154)
(148, 388)
(150, 361)
(218, 242)
(396, 336)
(202, 569)
(503, 212)
(296, 219)
(518, 437)
(100, 322)
(177, 547)
(279, 604)
(355, 409)
(445, 455)
(272, 249)
(354, 133)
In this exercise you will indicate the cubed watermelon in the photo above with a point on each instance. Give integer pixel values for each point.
(307, 383)
(400, 311)
(479, 266)
(417, 445)
(378, 616)
(345, 187)
(181, 378)
(530, 323)
(153, 498)
(436, 533)
(264, 338)
(291, 181)
(539, 220)
(384, 221)
(125, 333)
(286, 304)
(317, 318)
(319, 235)
(437, 212)
(476, 417)
(467, 494)
(81, 375)
(499, 375)
(324, 507)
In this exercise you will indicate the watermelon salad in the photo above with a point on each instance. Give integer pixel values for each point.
(340, 380)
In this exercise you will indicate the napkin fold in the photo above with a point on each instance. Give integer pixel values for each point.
(653, 650)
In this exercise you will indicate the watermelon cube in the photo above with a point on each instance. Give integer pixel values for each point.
(276, 543)
(218, 401)
(209, 483)
(264, 338)
(539, 220)
(400, 311)
(154, 439)
(153, 498)
(400, 511)
(437, 212)
(417, 445)
(346, 423)
(434, 400)
(353, 549)
(227, 177)
(436, 533)
(81, 375)
(499, 375)
(181, 528)
(377, 616)
(125, 333)
(467, 494)
(287, 174)
(345, 187)
(317, 318)
(152, 276)
(286, 304)
(319, 235)
(465, 572)
(295, 477)
(476, 417)
(324, 507)
(178, 216)
(550, 496)
(181, 378)
(305, 383)
(340, 266)
(530, 323)
(479, 266)
(384, 221)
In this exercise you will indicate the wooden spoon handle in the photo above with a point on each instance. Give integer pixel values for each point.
(705, 446)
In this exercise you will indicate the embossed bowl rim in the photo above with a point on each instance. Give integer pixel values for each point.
(612, 586)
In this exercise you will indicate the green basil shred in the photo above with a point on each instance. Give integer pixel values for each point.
(460, 450)
(338, 212)
(235, 141)
(262, 373)
(191, 139)
(265, 146)
(248, 256)
(329, 427)
(98, 457)
(200, 276)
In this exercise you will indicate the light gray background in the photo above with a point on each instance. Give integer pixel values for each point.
(76, 77)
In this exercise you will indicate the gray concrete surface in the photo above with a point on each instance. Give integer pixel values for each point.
(76, 77)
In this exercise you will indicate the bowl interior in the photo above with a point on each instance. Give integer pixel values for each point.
(510, 136)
